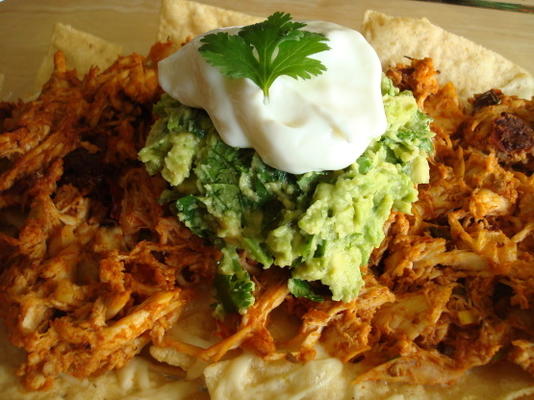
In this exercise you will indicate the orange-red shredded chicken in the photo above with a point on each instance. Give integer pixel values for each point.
(90, 262)
(93, 268)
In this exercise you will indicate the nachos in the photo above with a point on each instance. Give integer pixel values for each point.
(102, 282)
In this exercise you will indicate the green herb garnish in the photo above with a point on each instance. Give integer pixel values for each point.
(300, 288)
(234, 287)
(262, 52)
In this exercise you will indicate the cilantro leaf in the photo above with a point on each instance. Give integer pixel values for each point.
(257, 252)
(235, 289)
(234, 294)
(192, 213)
(300, 288)
(262, 52)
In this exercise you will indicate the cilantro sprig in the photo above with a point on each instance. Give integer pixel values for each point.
(264, 51)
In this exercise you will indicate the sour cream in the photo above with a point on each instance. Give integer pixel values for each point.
(323, 123)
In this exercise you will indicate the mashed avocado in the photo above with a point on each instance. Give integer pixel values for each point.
(321, 225)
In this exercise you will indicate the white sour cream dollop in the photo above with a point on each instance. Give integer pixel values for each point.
(323, 123)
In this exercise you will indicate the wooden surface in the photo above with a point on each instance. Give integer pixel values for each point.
(26, 25)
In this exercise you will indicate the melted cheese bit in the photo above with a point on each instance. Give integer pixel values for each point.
(323, 123)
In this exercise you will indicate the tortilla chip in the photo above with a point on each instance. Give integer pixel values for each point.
(469, 66)
(181, 20)
(82, 50)
(249, 376)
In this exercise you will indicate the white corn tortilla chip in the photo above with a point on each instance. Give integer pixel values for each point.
(82, 50)
(247, 376)
(181, 20)
(469, 66)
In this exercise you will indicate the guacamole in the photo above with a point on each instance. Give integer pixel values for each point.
(321, 225)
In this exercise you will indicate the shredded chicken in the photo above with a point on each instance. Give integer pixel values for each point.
(95, 264)
(522, 354)
(93, 268)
